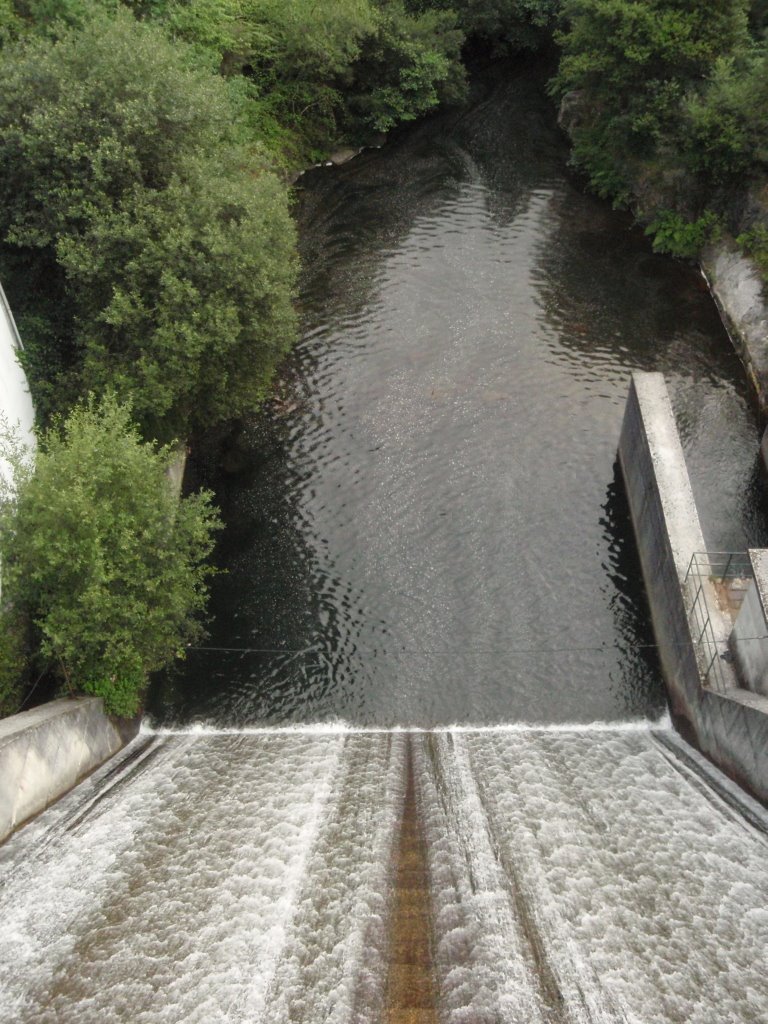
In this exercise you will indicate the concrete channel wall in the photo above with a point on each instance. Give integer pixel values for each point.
(751, 652)
(737, 287)
(731, 727)
(46, 751)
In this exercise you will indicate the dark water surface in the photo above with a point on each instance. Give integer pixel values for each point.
(430, 527)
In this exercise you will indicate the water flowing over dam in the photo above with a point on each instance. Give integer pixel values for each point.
(574, 876)
(426, 527)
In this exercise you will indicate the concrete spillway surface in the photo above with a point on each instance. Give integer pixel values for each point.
(540, 877)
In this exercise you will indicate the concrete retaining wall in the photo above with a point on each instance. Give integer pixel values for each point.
(737, 287)
(751, 652)
(46, 751)
(730, 728)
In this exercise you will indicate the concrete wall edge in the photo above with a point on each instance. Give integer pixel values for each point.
(46, 751)
(730, 727)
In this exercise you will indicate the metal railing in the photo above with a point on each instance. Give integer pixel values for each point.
(715, 580)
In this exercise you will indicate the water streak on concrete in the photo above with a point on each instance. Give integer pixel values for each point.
(410, 984)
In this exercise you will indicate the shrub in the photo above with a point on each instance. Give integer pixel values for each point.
(755, 244)
(675, 235)
(13, 659)
(109, 565)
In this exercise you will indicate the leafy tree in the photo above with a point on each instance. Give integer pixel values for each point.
(10, 24)
(99, 552)
(123, 172)
(298, 60)
(726, 120)
(409, 66)
(320, 71)
(505, 24)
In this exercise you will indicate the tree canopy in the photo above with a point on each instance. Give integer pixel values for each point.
(672, 108)
(124, 172)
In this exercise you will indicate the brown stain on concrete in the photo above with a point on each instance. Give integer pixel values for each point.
(411, 994)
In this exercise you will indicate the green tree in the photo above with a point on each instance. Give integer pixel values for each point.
(505, 24)
(10, 24)
(124, 173)
(725, 120)
(408, 67)
(633, 62)
(100, 554)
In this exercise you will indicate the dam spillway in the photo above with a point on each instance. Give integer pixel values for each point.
(427, 527)
(567, 876)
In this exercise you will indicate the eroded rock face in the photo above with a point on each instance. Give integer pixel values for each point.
(738, 289)
(571, 111)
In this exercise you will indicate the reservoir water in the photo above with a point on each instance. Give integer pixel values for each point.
(428, 526)
(421, 772)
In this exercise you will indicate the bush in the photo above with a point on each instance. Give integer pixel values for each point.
(109, 565)
(677, 236)
(505, 24)
(13, 659)
(755, 244)
(409, 66)
(634, 62)
(726, 119)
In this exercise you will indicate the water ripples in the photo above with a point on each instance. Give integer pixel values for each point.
(432, 510)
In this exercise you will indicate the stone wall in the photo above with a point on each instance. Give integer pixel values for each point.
(731, 727)
(46, 751)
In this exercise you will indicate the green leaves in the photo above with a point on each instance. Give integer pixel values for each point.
(407, 67)
(640, 68)
(101, 555)
(121, 167)
(677, 236)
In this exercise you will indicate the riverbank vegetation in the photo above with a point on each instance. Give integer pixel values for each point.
(667, 107)
(146, 239)
(148, 251)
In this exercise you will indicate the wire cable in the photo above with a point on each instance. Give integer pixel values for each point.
(602, 647)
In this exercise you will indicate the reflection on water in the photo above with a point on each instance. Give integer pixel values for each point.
(430, 528)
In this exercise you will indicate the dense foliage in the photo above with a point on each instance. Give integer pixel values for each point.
(101, 557)
(671, 109)
(504, 24)
(145, 238)
(168, 246)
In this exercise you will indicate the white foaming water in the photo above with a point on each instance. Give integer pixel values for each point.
(339, 727)
(578, 876)
(627, 893)
(176, 901)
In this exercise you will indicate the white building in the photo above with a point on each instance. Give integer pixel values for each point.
(15, 401)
